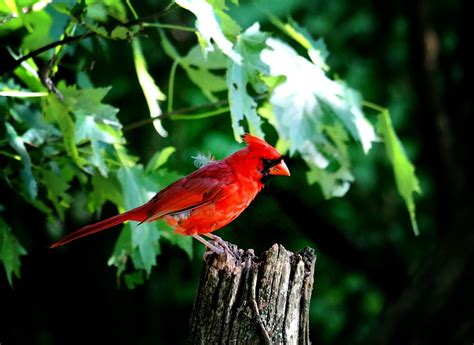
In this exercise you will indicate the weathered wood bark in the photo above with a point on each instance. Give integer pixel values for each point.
(244, 299)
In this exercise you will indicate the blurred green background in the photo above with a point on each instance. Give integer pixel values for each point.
(375, 281)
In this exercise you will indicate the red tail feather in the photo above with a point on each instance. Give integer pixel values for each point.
(138, 214)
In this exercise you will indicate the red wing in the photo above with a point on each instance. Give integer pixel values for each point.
(195, 190)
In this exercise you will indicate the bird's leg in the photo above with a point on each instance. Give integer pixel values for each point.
(220, 241)
(212, 247)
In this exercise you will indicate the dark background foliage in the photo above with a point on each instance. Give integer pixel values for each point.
(375, 281)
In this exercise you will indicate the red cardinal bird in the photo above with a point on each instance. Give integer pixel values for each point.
(207, 199)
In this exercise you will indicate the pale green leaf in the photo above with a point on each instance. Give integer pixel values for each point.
(209, 28)
(22, 94)
(151, 91)
(26, 173)
(313, 113)
(208, 82)
(333, 184)
(336, 179)
(215, 59)
(317, 50)
(10, 251)
(239, 75)
(407, 182)
(305, 94)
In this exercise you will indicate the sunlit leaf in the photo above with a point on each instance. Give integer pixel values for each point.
(305, 106)
(317, 49)
(239, 75)
(407, 182)
(209, 28)
(20, 93)
(151, 91)
(10, 251)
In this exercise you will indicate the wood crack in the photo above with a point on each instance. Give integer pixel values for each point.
(242, 298)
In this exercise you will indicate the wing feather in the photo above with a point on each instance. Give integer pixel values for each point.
(200, 188)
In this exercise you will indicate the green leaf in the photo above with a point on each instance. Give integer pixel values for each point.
(151, 91)
(57, 185)
(10, 251)
(56, 111)
(132, 280)
(137, 190)
(90, 102)
(209, 28)
(306, 93)
(183, 242)
(306, 108)
(208, 82)
(120, 33)
(215, 59)
(88, 129)
(26, 173)
(249, 45)
(336, 179)
(159, 159)
(407, 182)
(122, 250)
(95, 121)
(41, 23)
(104, 189)
(317, 50)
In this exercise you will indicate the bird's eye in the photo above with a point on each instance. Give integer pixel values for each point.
(269, 163)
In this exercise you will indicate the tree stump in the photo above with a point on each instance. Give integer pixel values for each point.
(244, 299)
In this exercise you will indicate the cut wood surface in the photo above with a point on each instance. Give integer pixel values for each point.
(245, 299)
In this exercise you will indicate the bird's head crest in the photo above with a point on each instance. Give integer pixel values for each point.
(257, 144)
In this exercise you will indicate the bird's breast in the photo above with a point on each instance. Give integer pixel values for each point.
(214, 215)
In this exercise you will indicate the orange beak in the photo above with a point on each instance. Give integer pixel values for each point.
(280, 169)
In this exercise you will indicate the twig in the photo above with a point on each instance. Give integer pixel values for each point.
(144, 122)
(167, 114)
(253, 302)
(72, 39)
(46, 78)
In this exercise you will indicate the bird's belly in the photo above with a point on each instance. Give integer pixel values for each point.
(210, 217)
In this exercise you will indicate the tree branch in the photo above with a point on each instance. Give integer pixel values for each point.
(71, 39)
(167, 114)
